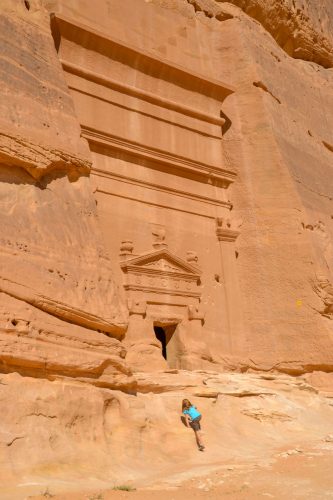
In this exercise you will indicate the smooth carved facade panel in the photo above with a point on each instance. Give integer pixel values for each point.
(154, 129)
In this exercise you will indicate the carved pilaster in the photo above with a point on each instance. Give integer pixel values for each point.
(227, 235)
(194, 313)
(139, 329)
(138, 307)
(227, 232)
(126, 249)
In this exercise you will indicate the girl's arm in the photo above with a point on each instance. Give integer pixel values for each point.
(187, 420)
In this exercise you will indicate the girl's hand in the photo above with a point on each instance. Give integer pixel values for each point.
(187, 419)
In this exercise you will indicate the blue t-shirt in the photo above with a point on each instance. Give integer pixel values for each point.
(193, 412)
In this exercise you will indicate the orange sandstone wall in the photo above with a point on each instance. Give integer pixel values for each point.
(203, 128)
(201, 125)
(287, 203)
(56, 286)
(279, 143)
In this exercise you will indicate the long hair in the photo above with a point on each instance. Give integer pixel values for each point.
(186, 404)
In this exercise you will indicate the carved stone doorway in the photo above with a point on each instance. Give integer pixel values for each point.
(164, 294)
(167, 335)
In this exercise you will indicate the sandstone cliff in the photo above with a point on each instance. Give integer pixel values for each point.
(207, 124)
(56, 283)
(302, 29)
(262, 310)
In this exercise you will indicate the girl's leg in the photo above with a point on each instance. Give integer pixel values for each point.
(199, 439)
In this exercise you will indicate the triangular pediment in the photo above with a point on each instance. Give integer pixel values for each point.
(162, 260)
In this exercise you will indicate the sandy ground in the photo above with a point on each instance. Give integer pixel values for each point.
(290, 474)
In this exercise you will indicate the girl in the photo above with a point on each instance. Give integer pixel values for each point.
(192, 419)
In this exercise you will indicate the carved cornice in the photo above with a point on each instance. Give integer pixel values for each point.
(224, 234)
(158, 290)
(63, 26)
(158, 272)
(169, 206)
(95, 93)
(161, 272)
(157, 187)
(170, 259)
(158, 156)
(110, 83)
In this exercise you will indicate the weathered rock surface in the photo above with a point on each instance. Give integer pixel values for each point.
(302, 29)
(52, 255)
(166, 203)
(68, 436)
(259, 310)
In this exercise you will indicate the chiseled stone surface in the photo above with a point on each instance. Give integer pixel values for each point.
(166, 216)
(52, 255)
(266, 265)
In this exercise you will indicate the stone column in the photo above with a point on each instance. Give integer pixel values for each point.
(137, 327)
(227, 237)
(143, 349)
(192, 348)
(196, 319)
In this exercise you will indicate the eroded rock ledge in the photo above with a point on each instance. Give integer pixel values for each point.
(38, 159)
(83, 432)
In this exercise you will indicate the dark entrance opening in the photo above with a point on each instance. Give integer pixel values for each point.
(161, 336)
(168, 338)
